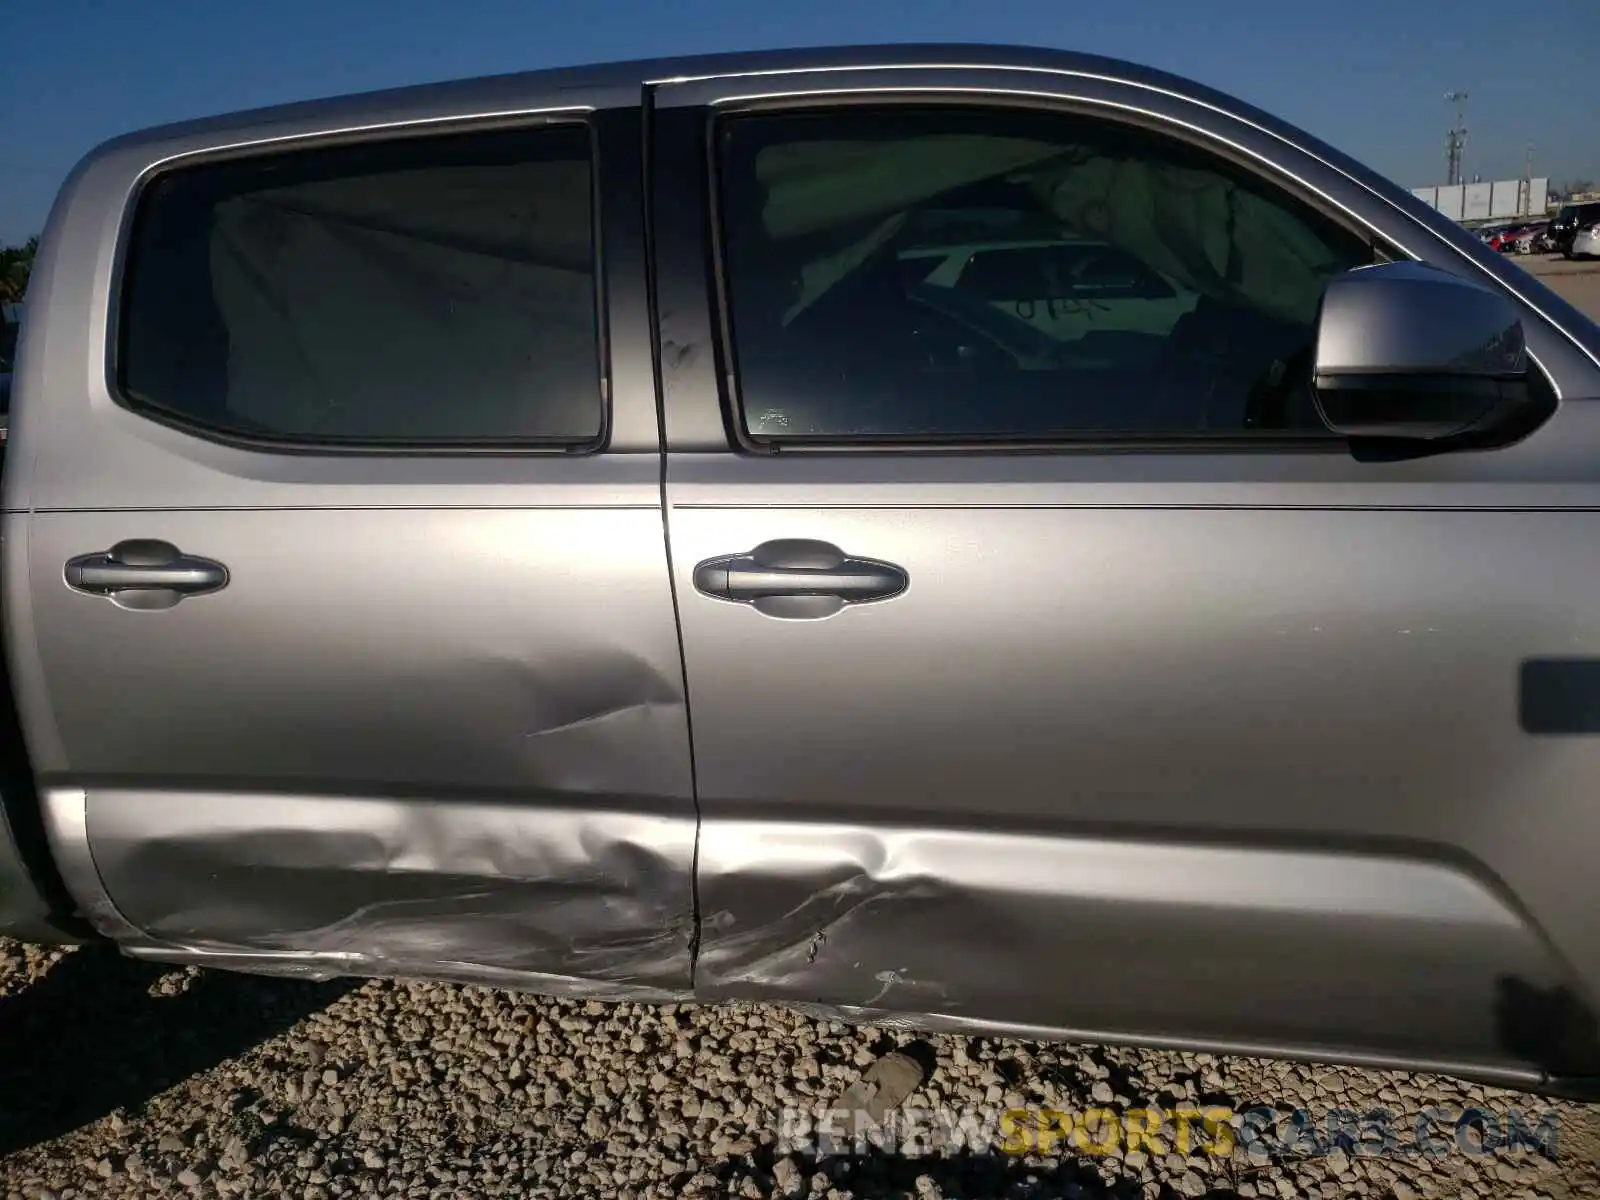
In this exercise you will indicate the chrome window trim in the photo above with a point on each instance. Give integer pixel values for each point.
(1270, 171)
(1191, 131)
(1115, 81)
(420, 126)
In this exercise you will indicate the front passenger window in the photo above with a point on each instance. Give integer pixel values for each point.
(937, 274)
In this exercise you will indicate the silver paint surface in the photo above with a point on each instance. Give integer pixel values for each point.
(1039, 930)
(1204, 750)
(398, 735)
(400, 740)
(1183, 677)
(1211, 749)
(66, 821)
(1405, 317)
(472, 888)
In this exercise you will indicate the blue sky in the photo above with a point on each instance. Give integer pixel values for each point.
(1367, 75)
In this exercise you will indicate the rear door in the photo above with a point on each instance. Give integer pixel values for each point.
(1067, 675)
(335, 567)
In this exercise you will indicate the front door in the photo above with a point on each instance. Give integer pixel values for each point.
(354, 637)
(1125, 702)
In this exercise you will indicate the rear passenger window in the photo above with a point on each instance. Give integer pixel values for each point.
(423, 291)
(932, 273)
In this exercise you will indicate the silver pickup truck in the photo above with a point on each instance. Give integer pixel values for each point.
(983, 538)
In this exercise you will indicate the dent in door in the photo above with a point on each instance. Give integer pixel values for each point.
(444, 742)
(561, 899)
(1110, 938)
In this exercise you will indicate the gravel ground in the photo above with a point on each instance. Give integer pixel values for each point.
(122, 1079)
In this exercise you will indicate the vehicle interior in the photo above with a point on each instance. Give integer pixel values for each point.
(844, 329)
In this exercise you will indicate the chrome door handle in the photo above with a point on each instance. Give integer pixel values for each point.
(798, 579)
(158, 572)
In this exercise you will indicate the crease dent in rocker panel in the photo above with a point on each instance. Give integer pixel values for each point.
(584, 902)
(921, 928)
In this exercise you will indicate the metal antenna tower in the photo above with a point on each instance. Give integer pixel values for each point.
(1456, 140)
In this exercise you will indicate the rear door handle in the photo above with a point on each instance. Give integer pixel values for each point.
(143, 573)
(799, 579)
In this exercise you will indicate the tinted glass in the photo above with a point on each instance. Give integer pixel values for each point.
(1058, 273)
(420, 291)
(923, 273)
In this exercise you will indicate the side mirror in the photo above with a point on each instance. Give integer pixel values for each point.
(1407, 351)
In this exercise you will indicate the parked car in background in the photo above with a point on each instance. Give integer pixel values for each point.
(613, 532)
(1586, 243)
(1504, 238)
(1521, 238)
(1568, 221)
(1077, 291)
(1533, 239)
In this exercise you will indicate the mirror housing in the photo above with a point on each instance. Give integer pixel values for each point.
(1410, 352)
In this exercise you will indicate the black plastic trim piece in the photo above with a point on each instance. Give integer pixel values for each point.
(692, 362)
(795, 573)
(141, 564)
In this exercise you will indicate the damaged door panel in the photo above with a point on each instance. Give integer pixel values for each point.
(579, 900)
(467, 770)
(1188, 726)
(1020, 826)
(1095, 936)
(352, 650)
